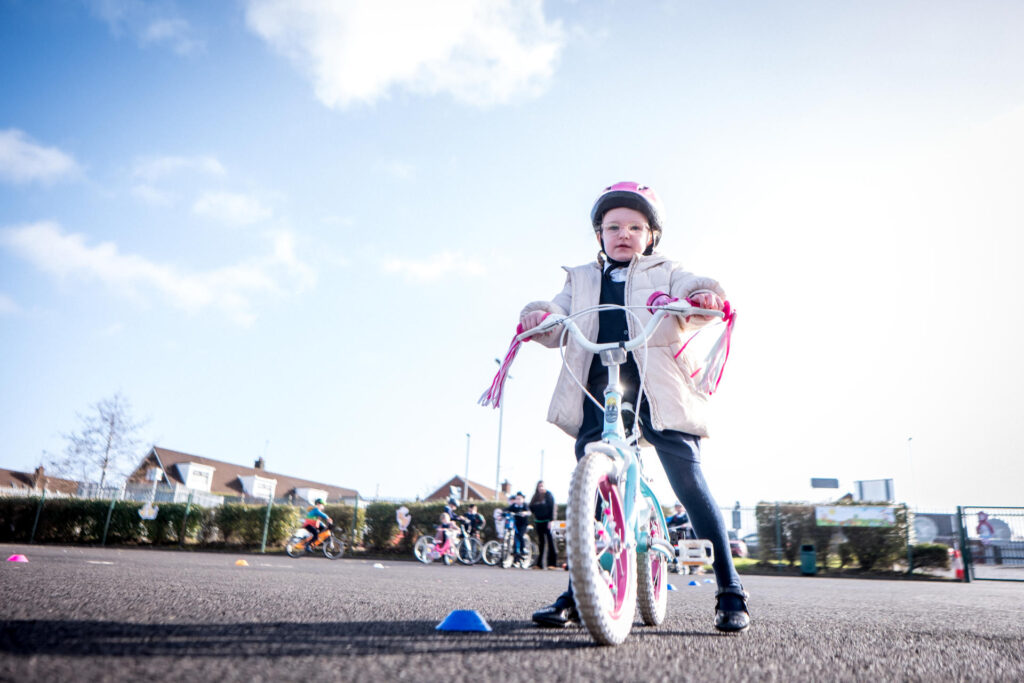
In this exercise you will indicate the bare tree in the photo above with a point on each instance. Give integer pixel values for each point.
(106, 447)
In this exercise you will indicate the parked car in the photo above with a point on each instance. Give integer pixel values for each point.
(753, 542)
(737, 546)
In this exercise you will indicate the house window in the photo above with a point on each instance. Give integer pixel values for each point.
(199, 480)
(196, 476)
(263, 488)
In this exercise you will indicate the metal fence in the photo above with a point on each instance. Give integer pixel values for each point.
(161, 493)
(992, 542)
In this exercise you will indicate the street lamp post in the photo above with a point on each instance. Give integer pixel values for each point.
(465, 480)
(501, 415)
(910, 464)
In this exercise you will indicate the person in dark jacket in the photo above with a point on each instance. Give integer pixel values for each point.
(542, 505)
(521, 513)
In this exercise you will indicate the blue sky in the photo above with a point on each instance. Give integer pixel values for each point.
(306, 229)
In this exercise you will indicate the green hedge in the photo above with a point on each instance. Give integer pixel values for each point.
(930, 556)
(794, 524)
(75, 520)
(72, 520)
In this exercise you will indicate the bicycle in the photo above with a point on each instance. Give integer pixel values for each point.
(427, 550)
(303, 543)
(617, 538)
(469, 549)
(502, 551)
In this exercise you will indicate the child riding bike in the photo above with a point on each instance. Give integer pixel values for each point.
(314, 522)
(443, 534)
(627, 219)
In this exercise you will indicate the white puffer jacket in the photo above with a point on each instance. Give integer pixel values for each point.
(673, 397)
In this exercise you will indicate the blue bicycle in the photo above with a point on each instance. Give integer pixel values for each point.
(618, 546)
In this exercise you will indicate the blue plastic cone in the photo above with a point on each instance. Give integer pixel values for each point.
(694, 583)
(463, 620)
(709, 581)
(671, 587)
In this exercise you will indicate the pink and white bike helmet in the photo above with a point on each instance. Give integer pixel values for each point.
(632, 196)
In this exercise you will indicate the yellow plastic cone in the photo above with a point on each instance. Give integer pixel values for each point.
(241, 563)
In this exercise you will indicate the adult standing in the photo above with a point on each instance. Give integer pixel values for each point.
(542, 505)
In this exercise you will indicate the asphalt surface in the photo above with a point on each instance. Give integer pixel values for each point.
(90, 614)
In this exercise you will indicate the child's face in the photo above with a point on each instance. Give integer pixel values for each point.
(624, 232)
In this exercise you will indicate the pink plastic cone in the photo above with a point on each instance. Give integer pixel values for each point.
(17, 558)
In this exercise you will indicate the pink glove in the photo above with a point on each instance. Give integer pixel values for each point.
(659, 299)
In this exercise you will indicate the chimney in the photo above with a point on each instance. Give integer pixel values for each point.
(506, 488)
(39, 479)
(260, 464)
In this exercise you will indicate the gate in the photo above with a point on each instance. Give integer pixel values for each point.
(992, 542)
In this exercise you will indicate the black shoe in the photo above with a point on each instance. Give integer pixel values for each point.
(731, 613)
(559, 614)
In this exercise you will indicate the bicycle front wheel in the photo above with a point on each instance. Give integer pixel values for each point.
(492, 553)
(529, 553)
(333, 548)
(652, 575)
(602, 566)
(422, 549)
(470, 551)
(507, 556)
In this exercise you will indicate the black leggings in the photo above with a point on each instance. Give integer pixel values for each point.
(680, 456)
(545, 542)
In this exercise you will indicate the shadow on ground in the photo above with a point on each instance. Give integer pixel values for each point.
(281, 639)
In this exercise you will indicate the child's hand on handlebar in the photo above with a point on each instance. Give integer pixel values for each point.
(708, 300)
(534, 318)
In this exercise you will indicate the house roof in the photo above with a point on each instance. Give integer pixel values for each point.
(476, 491)
(226, 475)
(12, 479)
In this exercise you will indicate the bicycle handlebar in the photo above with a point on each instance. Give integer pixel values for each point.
(680, 308)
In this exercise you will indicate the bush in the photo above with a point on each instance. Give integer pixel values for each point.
(242, 524)
(930, 556)
(879, 547)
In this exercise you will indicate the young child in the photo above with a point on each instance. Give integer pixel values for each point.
(314, 522)
(475, 520)
(445, 528)
(521, 513)
(627, 219)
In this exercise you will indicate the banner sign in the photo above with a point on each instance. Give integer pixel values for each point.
(855, 515)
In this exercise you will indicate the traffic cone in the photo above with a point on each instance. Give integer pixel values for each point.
(17, 558)
(463, 620)
(241, 563)
(958, 565)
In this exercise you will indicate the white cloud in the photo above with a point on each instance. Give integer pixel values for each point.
(433, 268)
(231, 208)
(152, 175)
(23, 161)
(480, 51)
(152, 169)
(7, 305)
(150, 24)
(231, 289)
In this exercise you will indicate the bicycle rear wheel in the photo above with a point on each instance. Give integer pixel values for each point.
(652, 575)
(492, 553)
(333, 548)
(293, 548)
(422, 549)
(602, 566)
